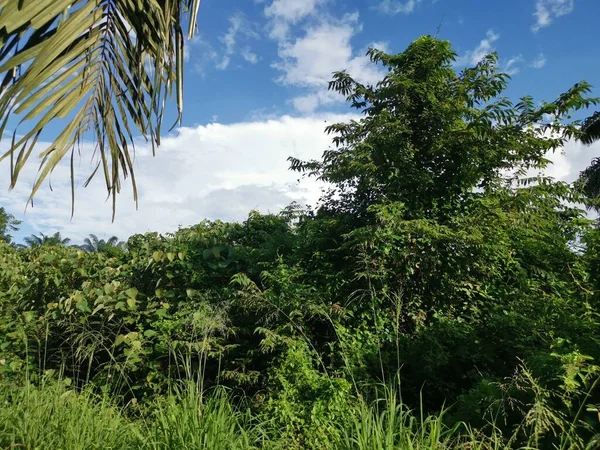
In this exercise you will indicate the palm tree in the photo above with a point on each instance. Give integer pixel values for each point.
(93, 244)
(99, 69)
(34, 241)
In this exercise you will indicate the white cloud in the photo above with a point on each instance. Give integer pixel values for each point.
(263, 114)
(484, 48)
(511, 66)
(186, 51)
(284, 13)
(384, 46)
(238, 25)
(249, 56)
(398, 6)
(311, 59)
(224, 63)
(204, 55)
(306, 104)
(568, 163)
(199, 48)
(547, 10)
(319, 46)
(211, 171)
(539, 61)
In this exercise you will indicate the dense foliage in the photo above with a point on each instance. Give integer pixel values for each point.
(8, 225)
(435, 259)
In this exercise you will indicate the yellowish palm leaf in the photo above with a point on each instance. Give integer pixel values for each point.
(100, 69)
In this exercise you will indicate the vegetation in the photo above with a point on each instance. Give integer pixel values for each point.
(591, 128)
(93, 244)
(589, 182)
(8, 224)
(438, 297)
(36, 241)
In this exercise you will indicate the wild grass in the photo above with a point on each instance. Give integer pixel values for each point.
(56, 417)
(187, 420)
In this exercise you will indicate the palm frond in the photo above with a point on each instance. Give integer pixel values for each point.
(113, 241)
(33, 240)
(103, 69)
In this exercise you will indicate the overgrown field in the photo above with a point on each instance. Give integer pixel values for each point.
(438, 298)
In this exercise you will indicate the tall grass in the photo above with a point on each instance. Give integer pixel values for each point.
(389, 425)
(185, 420)
(56, 417)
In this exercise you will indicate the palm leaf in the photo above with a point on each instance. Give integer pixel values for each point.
(113, 241)
(102, 69)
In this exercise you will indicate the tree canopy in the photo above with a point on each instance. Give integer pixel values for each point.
(94, 244)
(34, 240)
(430, 136)
(8, 224)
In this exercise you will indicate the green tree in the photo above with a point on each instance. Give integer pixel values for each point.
(8, 224)
(433, 229)
(34, 240)
(430, 136)
(101, 68)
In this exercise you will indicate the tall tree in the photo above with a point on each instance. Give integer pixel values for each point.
(8, 223)
(430, 135)
(102, 69)
(34, 240)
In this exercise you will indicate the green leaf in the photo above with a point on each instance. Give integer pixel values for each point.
(83, 306)
(150, 333)
(49, 258)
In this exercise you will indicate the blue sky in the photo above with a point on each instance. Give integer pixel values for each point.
(256, 92)
(558, 36)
